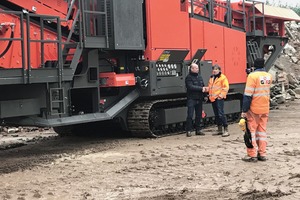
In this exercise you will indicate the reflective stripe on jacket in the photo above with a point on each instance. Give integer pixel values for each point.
(258, 88)
(218, 87)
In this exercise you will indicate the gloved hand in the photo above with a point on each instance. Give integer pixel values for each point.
(247, 134)
(242, 124)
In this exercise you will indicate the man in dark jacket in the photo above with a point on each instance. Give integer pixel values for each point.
(194, 85)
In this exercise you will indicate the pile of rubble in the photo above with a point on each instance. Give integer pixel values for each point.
(286, 69)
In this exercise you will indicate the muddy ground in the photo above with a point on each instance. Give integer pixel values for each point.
(174, 167)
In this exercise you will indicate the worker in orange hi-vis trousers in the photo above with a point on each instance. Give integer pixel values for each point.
(256, 105)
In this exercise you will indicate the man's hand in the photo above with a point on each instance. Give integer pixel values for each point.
(244, 114)
(205, 89)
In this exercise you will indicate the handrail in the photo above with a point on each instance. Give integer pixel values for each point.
(211, 4)
(70, 6)
(21, 39)
(254, 17)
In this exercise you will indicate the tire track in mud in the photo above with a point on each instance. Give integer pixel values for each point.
(46, 151)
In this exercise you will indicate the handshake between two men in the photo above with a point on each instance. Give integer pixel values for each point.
(206, 89)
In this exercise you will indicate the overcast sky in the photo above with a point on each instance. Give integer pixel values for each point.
(288, 2)
(282, 2)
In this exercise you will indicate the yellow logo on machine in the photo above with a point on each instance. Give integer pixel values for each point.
(164, 57)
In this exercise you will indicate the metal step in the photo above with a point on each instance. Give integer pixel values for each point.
(75, 56)
(253, 50)
(57, 103)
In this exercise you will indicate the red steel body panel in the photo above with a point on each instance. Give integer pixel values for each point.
(225, 47)
(197, 32)
(167, 27)
(214, 43)
(235, 55)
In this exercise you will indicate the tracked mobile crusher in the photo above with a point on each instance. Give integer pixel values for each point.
(68, 63)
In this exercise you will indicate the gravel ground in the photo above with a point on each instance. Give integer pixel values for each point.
(172, 168)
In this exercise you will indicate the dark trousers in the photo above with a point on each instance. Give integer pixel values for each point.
(193, 106)
(218, 107)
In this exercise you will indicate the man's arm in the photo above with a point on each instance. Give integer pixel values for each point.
(246, 103)
(247, 98)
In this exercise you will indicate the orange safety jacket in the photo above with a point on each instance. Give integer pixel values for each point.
(258, 88)
(218, 87)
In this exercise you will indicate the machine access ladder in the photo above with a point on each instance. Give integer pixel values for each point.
(95, 23)
(253, 50)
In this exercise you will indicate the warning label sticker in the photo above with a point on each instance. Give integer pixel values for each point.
(164, 57)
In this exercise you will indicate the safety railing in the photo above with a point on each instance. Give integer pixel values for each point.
(13, 37)
(42, 41)
(256, 22)
(208, 9)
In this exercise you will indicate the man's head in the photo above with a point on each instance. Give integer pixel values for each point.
(259, 63)
(194, 68)
(216, 69)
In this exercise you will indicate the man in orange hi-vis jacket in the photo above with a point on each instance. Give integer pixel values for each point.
(218, 88)
(256, 105)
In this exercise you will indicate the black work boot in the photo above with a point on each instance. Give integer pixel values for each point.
(199, 132)
(225, 133)
(188, 134)
(261, 158)
(219, 131)
(249, 159)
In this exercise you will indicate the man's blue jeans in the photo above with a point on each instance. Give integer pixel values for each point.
(218, 107)
(194, 106)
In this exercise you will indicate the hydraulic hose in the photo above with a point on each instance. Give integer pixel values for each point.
(12, 34)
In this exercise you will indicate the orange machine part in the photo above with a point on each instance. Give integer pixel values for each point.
(111, 79)
(13, 57)
(225, 47)
(235, 55)
(197, 31)
(214, 43)
(46, 7)
(162, 32)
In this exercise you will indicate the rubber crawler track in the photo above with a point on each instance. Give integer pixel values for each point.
(141, 119)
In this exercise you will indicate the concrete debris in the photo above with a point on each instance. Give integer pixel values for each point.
(291, 92)
(294, 26)
(286, 69)
(294, 59)
(297, 90)
(292, 79)
(289, 50)
(12, 131)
